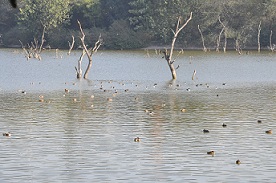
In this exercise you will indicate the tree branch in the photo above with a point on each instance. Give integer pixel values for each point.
(92, 50)
(71, 45)
(168, 57)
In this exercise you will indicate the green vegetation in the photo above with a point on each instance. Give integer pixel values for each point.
(127, 24)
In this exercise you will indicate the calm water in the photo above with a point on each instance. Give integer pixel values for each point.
(87, 134)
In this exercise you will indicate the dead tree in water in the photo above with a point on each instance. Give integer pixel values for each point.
(89, 52)
(34, 49)
(219, 37)
(238, 47)
(168, 56)
(78, 69)
(202, 39)
(259, 34)
(225, 35)
(272, 47)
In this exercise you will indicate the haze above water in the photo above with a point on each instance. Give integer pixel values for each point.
(87, 134)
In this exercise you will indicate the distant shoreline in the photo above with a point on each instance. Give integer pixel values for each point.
(161, 48)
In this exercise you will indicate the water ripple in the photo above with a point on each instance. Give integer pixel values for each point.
(63, 139)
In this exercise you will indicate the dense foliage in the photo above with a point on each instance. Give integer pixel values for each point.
(126, 24)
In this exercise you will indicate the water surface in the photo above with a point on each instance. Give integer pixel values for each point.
(87, 134)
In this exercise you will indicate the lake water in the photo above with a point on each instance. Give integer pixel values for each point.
(87, 135)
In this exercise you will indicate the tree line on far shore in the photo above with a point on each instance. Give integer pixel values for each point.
(131, 24)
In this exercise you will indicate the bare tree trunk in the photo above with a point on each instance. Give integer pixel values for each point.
(225, 35)
(225, 42)
(272, 46)
(28, 54)
(218, 40)
(202, 38)
(78, 69)
(219, 37)
(238, 47)
(89, 52)
(71, 45)
(42, 39)
(94, 50)
(259, 33)
(170, 64)
(168, 57)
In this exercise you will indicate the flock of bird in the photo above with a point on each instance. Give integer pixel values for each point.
(212, 153)
(137, 139)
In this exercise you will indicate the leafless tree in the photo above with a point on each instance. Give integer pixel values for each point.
(219, 37)
(259, 34)
(225, 35)
(168, 56)
(272, 47)
(202, 39)
(34, 49)
(88, 52)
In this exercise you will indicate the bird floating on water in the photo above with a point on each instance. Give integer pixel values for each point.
(137, 139)
(211, 153)
(8, 134)
(238, 162)
(205, 131)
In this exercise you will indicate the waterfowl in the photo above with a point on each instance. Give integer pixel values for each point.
(66, 90)
(224, 125)
(238, 162)
(8, 134)
(183, 110)
(211, 153)
(268, 131)
(205, 131)
(13, 3)
(41, 100)
(259, 121)
(137, 139)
